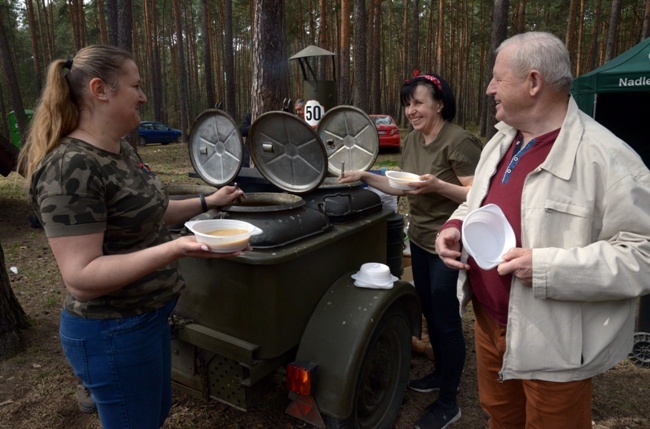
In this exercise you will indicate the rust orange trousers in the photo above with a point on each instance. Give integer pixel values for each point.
(524, 404)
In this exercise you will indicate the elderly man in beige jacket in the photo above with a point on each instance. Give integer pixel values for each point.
(560, 308)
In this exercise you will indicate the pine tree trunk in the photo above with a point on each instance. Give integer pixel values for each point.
(359, 54)
(9, 70)
(610, 50)
(499, 33)
(35, 51)
(645, 31)
(182, 75)
(344, 58)
(270, 61)
(229, 60)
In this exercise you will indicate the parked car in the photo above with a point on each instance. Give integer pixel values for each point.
(389, 137)
(157, 132)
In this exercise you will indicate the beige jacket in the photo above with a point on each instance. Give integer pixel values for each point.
(586, 214)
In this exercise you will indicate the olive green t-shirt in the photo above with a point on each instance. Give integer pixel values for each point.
(454, 153)
(80, 189)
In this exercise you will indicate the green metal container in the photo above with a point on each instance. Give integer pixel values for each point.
(242, 318)
(265, 297)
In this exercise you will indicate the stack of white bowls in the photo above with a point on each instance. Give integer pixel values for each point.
(374, 275)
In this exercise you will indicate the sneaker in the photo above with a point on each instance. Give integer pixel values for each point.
(429, 383)
(84, 400)
(438, 417)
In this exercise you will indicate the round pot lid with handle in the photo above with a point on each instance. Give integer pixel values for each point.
(287, 151)
(350, 138)
(216, 148)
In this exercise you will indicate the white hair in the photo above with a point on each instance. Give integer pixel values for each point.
(543, 52)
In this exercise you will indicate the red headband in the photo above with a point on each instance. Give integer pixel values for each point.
(435, 80)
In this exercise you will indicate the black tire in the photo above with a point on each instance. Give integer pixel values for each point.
(383, 375)
(142, 141)
(640, 353)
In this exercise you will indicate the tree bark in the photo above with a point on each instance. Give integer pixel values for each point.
(43, 31)
(228, 63)
(12, 316)
(580, 45)
(405, 40)
(207, 55)
(376, 58)
(34, 39)
(153, 59)
(521, 16)
(440, 31)
(125, 24)
(12, 82)
(414, 43)
(610, 50)
(101, 18)
(498, 34)
(78, 18)
(593, 50)
(322, 39)
(182, 75)
(645, 31)
(112, 21)
(344, 57)
(359, 54)
(570, 37)
(427, 63)
(270, 62)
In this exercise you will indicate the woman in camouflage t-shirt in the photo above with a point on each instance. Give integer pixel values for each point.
(105, 214)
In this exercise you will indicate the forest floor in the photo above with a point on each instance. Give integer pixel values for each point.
(37, 386)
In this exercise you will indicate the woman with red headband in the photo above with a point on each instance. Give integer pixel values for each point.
(444, 155)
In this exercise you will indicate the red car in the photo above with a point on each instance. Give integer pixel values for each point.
(388, 132)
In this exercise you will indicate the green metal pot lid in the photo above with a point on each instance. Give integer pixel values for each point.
(287, 152)
(350, 138)
(215, 147)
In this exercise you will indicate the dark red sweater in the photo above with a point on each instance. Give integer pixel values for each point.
(489, 288)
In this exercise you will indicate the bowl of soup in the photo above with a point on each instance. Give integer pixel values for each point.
(401, 179)
(223, 235)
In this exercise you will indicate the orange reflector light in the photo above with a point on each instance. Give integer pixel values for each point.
(299, 377)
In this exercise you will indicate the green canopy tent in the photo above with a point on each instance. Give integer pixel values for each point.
(617, 94)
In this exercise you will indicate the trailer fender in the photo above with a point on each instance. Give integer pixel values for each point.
(338, 333)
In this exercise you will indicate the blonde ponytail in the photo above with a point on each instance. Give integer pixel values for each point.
(57, 112)
(56, 115)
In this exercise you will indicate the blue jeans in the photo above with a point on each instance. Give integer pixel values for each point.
(126, 364)
(436, 286)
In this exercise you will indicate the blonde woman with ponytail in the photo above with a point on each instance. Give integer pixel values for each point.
(105, 213)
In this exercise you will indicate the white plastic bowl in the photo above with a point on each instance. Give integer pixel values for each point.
(487, 235)
(401, 179)
(232, 242)
(374, 275)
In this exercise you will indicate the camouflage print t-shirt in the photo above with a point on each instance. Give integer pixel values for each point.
(79, 189)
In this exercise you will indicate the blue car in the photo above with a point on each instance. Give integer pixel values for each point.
(157, 132)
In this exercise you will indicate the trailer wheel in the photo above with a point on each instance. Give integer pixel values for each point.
(383, 374)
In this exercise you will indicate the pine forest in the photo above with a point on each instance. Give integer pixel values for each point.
(197, 54)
